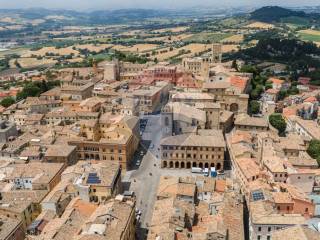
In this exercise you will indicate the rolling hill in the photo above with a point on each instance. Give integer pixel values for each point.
(275, 14)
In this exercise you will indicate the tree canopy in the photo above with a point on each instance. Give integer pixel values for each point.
(254, 107)
(7, 102)
(34, 89)
(314, 150)
(274, 14)
(277, 121)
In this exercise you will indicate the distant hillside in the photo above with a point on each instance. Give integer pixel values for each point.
(121, 16)
(275, 14)
(293, 52)
(125, 15)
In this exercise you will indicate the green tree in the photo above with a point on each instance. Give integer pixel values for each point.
(49, 75)
(250, 69)
(282, 94)
(268, 86)
(314, 150)
(293, 90)
(7, 102)
(254, 107)
(256, 92)
(29, 90)
(277, 121)
(235, 65)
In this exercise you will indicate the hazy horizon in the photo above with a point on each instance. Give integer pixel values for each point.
(150, 4)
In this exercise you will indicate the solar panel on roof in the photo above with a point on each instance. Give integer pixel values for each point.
(93, 182)
(93, 178)
(256, 196)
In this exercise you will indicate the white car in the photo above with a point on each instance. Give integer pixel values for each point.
(138, 163)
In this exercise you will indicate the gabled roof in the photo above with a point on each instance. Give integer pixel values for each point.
(246, 120)
(275, 80)
(296, 233)
(194, 140)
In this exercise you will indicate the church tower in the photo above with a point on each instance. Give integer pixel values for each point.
(216, 53)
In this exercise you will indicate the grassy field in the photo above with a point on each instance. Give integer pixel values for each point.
(169, 39)
(229, 22)
(7, 20)
(32, 62)
(238, 38)
(208, 37)
(173, 30)
(94, 48)
(18, 51)
(191, 48)
(310, 35)
(229, 48)
(57, 51)
(138, 48)
(260, 25)
(296, 21)
(75, 60)
(132, 32)
(292, 26)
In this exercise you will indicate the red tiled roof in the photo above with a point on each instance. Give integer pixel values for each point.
(85, 208)
(241, 136)
(289, 112)
(4, 94)
(2, 109)
(239, 82)
(272, 91)
(304, 80)
(311, 99)
(275, 80)
(187, 81)
(220, 185)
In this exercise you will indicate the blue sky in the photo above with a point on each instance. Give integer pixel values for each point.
(116, 4)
